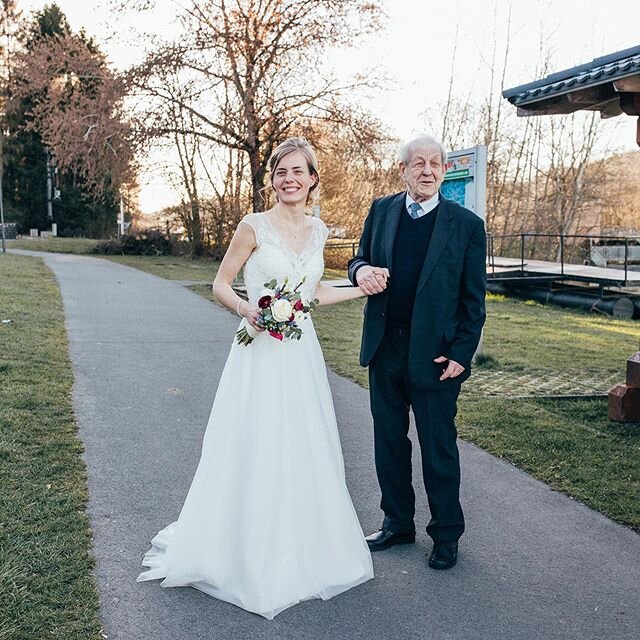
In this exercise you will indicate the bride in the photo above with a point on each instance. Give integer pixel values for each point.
(268, 521)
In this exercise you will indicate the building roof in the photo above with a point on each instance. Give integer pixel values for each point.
(595, 85)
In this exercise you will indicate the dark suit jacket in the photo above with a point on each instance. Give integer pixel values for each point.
(449, 308)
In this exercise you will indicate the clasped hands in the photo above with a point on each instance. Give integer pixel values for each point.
(372, 280)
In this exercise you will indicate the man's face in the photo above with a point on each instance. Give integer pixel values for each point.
(424, 172)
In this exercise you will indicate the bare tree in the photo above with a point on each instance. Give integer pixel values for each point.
(353, 171)
(252, 71)
(537, 168)
(227, 178)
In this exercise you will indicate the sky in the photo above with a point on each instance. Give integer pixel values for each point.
(415, 51)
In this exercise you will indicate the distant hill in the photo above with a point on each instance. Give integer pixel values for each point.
(619, 201)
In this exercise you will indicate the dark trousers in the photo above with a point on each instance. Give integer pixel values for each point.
(392, 395)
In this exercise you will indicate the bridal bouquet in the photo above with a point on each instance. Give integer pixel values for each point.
(282, 311)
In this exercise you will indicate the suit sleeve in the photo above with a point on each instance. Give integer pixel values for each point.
(472, 311)
(363, 257)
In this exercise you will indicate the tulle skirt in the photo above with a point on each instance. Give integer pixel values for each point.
(268, 521)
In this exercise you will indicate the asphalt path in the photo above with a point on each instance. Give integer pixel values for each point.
(147, 354)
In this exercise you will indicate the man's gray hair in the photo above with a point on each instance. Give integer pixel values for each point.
(408, 149)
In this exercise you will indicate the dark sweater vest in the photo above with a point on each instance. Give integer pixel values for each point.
(409, 251)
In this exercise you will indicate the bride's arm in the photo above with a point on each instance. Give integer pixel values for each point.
(240, 248)
(330, 295)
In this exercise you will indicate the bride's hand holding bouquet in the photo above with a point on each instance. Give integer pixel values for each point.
(280, 312)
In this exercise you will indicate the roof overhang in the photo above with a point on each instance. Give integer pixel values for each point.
(610, 85)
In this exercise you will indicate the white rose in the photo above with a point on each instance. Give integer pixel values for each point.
(299, 317)
(281, 310)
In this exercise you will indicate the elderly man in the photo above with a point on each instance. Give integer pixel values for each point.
(422, 262)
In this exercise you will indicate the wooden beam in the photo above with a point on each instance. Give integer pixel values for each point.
(611, 109)
(549, 106)
(591, 95)
(630, 103)
(630, 83)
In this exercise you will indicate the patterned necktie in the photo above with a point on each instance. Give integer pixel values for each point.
(414, 207)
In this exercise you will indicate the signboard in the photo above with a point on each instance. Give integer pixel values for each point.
(466, 179)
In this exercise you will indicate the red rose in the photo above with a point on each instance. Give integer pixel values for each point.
(276, 335)
(264, 302)
(298, 306)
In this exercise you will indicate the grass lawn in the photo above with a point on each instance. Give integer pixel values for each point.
(55, 245)
(171, 267)
(178, 268)
(46, 586)
(569, 444)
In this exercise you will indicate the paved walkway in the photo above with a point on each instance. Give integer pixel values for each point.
(147, 353)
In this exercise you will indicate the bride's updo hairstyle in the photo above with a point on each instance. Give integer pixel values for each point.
(290, 145)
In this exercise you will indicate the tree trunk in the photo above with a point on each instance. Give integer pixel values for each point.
(257, 181)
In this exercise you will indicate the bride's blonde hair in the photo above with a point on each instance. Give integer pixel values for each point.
(290, 145)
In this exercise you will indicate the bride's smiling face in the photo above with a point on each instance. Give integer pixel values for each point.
(292, 179)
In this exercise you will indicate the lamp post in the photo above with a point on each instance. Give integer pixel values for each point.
(50, 194)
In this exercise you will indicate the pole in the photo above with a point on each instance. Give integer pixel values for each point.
(4, 246)
(626, 260)
(49, 188)
(121, 218)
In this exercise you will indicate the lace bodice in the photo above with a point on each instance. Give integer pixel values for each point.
(274, 258)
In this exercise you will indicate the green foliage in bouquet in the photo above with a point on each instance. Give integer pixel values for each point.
(281, 312)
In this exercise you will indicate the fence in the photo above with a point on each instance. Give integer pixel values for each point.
(10, 230)
(581, 249)
(338, 252)
(565, 249)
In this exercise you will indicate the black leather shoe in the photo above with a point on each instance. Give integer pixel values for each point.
(444, 555)
(384, 538)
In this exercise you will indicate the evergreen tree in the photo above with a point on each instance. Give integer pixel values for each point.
(77, 211)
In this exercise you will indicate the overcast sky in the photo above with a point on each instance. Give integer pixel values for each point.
(416, 50)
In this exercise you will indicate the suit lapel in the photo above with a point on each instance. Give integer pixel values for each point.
(441, 232)
(394, 212)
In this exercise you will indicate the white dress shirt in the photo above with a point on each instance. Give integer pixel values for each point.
(427, 205)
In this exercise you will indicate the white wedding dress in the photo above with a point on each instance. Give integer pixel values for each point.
(268, 521)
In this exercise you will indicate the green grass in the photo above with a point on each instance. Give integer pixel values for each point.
(179, 268)
(171, 267)
(334, 274)
(46, 586)
(56, 245)
(518, 336)
(569, 444)
(530, 336)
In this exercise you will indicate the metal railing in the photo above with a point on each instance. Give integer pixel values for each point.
(563, 249)
(352, 245)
